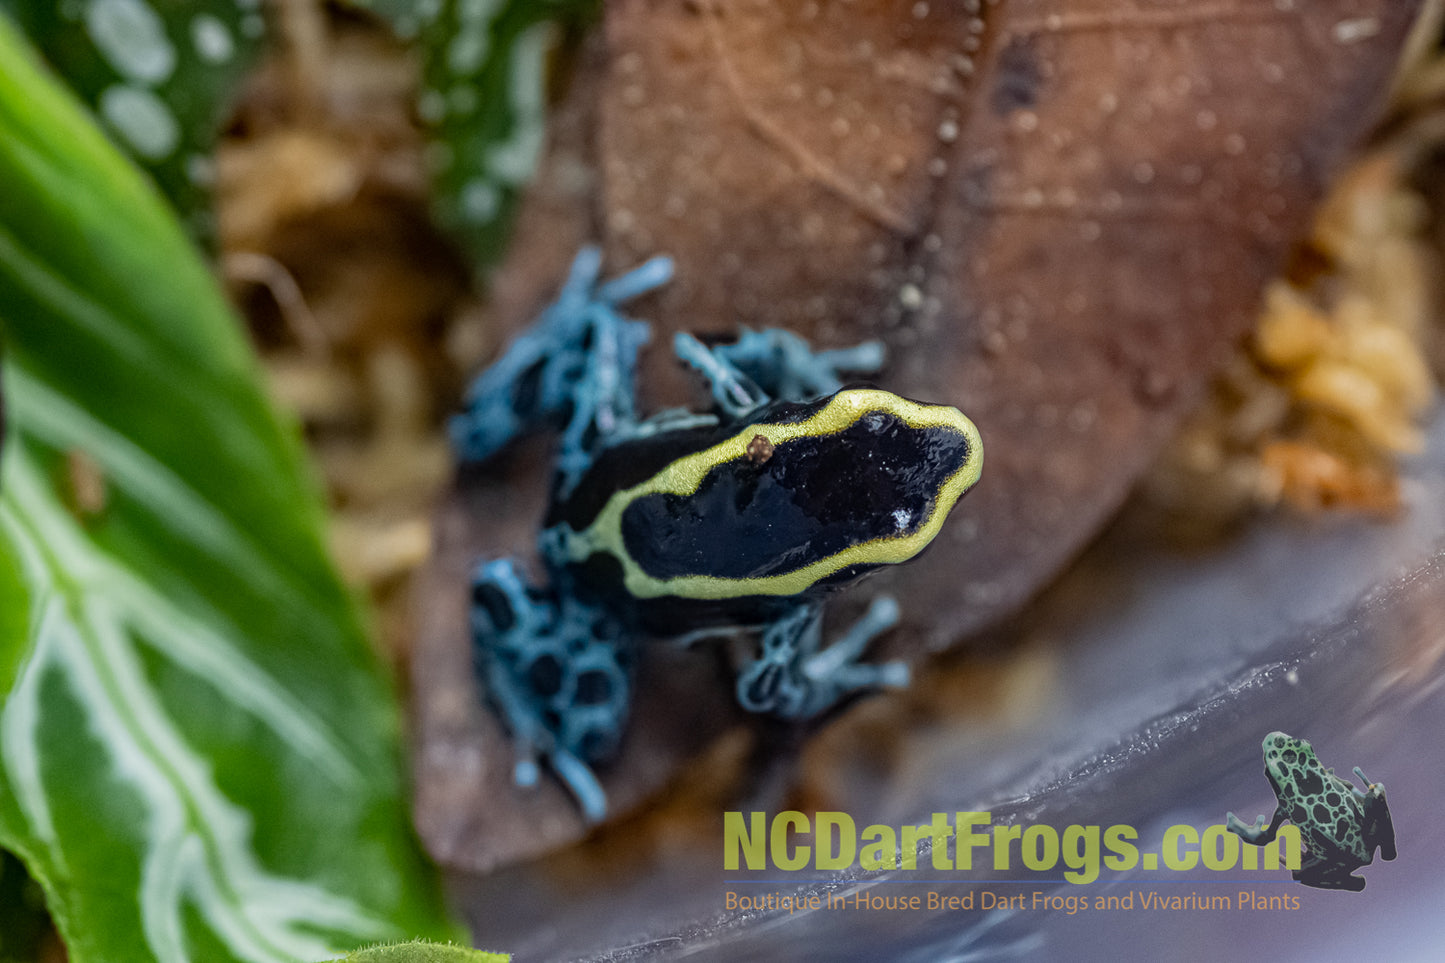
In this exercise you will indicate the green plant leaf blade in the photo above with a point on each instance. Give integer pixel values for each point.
(419, 952)
(158, 73)
(486, 66)
(199, 757)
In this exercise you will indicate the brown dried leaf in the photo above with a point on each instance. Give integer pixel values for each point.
(469, 812)
(1058, 215)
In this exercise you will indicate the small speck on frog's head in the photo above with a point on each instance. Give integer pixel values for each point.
(760, 449)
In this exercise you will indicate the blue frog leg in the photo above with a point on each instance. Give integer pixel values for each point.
(558, 672)
(572, 368)
(795, 677)
(771, 365)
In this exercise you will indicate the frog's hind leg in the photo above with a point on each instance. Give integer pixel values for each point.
(796, 678)
(558, 672)
(602, 388)
(1379, 825)
(771, 365)
(526, 388)
(572, 368)
(1262, 833)
(1320, 873)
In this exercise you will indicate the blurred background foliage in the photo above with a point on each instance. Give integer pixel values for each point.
(164, 76)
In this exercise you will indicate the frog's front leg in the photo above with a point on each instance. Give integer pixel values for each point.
(796, 678)
(1262, 833)
(557, 670)
(771, 365)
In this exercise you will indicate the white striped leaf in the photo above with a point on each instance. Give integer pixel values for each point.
(199, 756)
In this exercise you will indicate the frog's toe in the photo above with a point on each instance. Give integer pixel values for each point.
(582, 782)
(893, 675)
(785, 366)
(526, 773)
(842, 656)
(647, 276)
(1249, 832)
(795, 677)
(882, 615)
(865, 358)
(733, 392)
(759, 685)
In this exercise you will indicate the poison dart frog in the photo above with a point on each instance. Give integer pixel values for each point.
(687, 525)
(1341, 825)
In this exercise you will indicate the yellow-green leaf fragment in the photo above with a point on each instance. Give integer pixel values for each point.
(422, 952)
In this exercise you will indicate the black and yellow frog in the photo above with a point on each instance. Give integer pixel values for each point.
(736, 521)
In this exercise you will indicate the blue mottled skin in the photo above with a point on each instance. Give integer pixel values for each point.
(556, 664)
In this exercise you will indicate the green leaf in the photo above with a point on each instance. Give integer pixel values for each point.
(199, 757)
(161, 73)
(158, 73)
(485, 71)
(419, 952)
